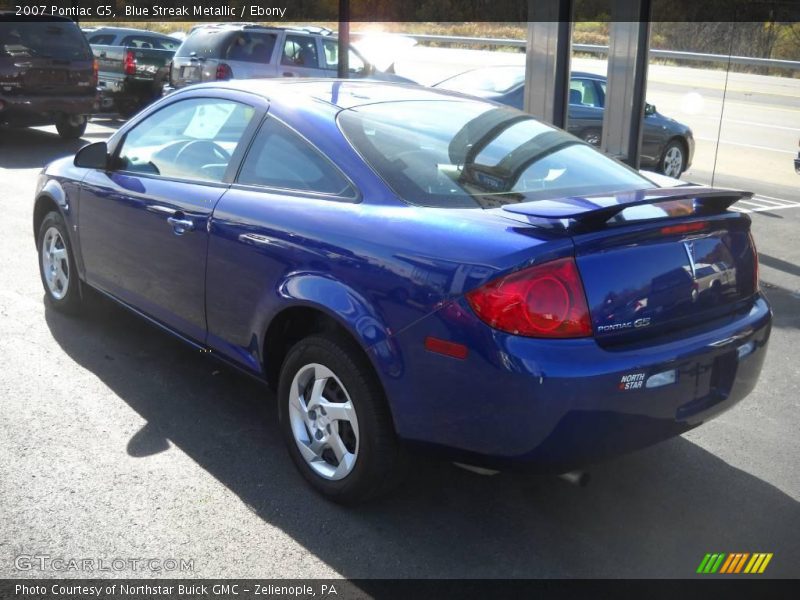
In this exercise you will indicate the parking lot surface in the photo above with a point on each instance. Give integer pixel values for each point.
(118, 441)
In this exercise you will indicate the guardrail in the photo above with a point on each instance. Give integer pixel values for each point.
(597, 49)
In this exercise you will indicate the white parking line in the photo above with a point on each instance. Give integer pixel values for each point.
(763, 203)
(705, 139)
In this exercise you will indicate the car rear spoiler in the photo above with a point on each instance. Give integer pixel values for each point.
(592, 212)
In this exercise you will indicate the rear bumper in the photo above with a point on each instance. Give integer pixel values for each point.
(556, 405)
(22, 111)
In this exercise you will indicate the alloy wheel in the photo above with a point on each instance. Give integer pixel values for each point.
(55, 263)
(673, 162)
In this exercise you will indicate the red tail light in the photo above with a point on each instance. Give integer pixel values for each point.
(684, 228)
(95, 71)
(545, 301)
(130, 63)
(224, 72)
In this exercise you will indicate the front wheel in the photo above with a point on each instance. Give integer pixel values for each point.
(673, 161)
(71, 127)
(336, 422)
(57, 265)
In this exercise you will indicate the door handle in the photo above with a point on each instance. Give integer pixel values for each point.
(180, 226)
(288, 74)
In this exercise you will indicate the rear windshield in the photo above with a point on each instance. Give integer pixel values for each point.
(203, 43)
(457, 154)
(43, 39)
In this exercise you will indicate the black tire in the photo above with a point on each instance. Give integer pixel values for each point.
(591, 136)
(380, 459)
(71, 127)
(68, 300)
(669, 165)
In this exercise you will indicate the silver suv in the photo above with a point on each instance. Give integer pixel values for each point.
(248, 51)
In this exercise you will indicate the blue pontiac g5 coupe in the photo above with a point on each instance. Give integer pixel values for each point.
(413, 267)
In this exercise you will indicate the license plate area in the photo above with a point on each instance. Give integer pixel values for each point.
(190, 72)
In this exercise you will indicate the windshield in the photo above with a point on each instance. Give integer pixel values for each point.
(457, 154)
(43, 39)
(498, 79)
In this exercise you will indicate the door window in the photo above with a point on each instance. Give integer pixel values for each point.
(190, 139)
(280, 158)
(251, 47)
(331, 55)
(300, 51)
(584, 92)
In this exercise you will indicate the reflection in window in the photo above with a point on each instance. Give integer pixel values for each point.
(279, 158)
(190, 139)
(464, 153)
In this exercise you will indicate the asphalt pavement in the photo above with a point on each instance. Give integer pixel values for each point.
(119, 442)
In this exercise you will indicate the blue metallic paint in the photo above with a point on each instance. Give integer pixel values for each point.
(392, 274)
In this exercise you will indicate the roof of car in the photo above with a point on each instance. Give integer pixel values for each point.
(233, 26)
(130, 30)
(341, 93)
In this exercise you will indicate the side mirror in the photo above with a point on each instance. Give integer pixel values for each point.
(93, 156)
(649, 109)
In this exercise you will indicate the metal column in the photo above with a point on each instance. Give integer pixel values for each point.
(627, 80)
(344, 39)
(547, 60)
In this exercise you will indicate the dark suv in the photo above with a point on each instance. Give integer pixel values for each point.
(47, 75)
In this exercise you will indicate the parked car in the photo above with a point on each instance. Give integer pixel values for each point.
(133, 65)
(412, 266)
(47, 75)
(667, 145)
(247, 51)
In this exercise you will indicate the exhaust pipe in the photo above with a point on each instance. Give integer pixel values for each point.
(579, 478)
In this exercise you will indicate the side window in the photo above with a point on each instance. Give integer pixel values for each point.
(190, 139)
(601, 93)
(583, 91)
(300, 51)
(102, 40)
(279, 158)
(135, 41)
(251, 47)
(331, 55)
(165, 43)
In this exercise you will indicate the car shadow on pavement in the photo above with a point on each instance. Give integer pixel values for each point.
(653, 513)
(34, 148)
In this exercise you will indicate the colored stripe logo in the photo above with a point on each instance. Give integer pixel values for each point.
(737, 562)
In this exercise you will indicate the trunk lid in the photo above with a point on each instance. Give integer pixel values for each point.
(656, 261)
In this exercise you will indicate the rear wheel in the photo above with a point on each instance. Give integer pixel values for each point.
(57, 265)
(71, 127)
(336, 422)
(673, 161)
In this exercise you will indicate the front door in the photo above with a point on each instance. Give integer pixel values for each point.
(144, 225)
(300, 57)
